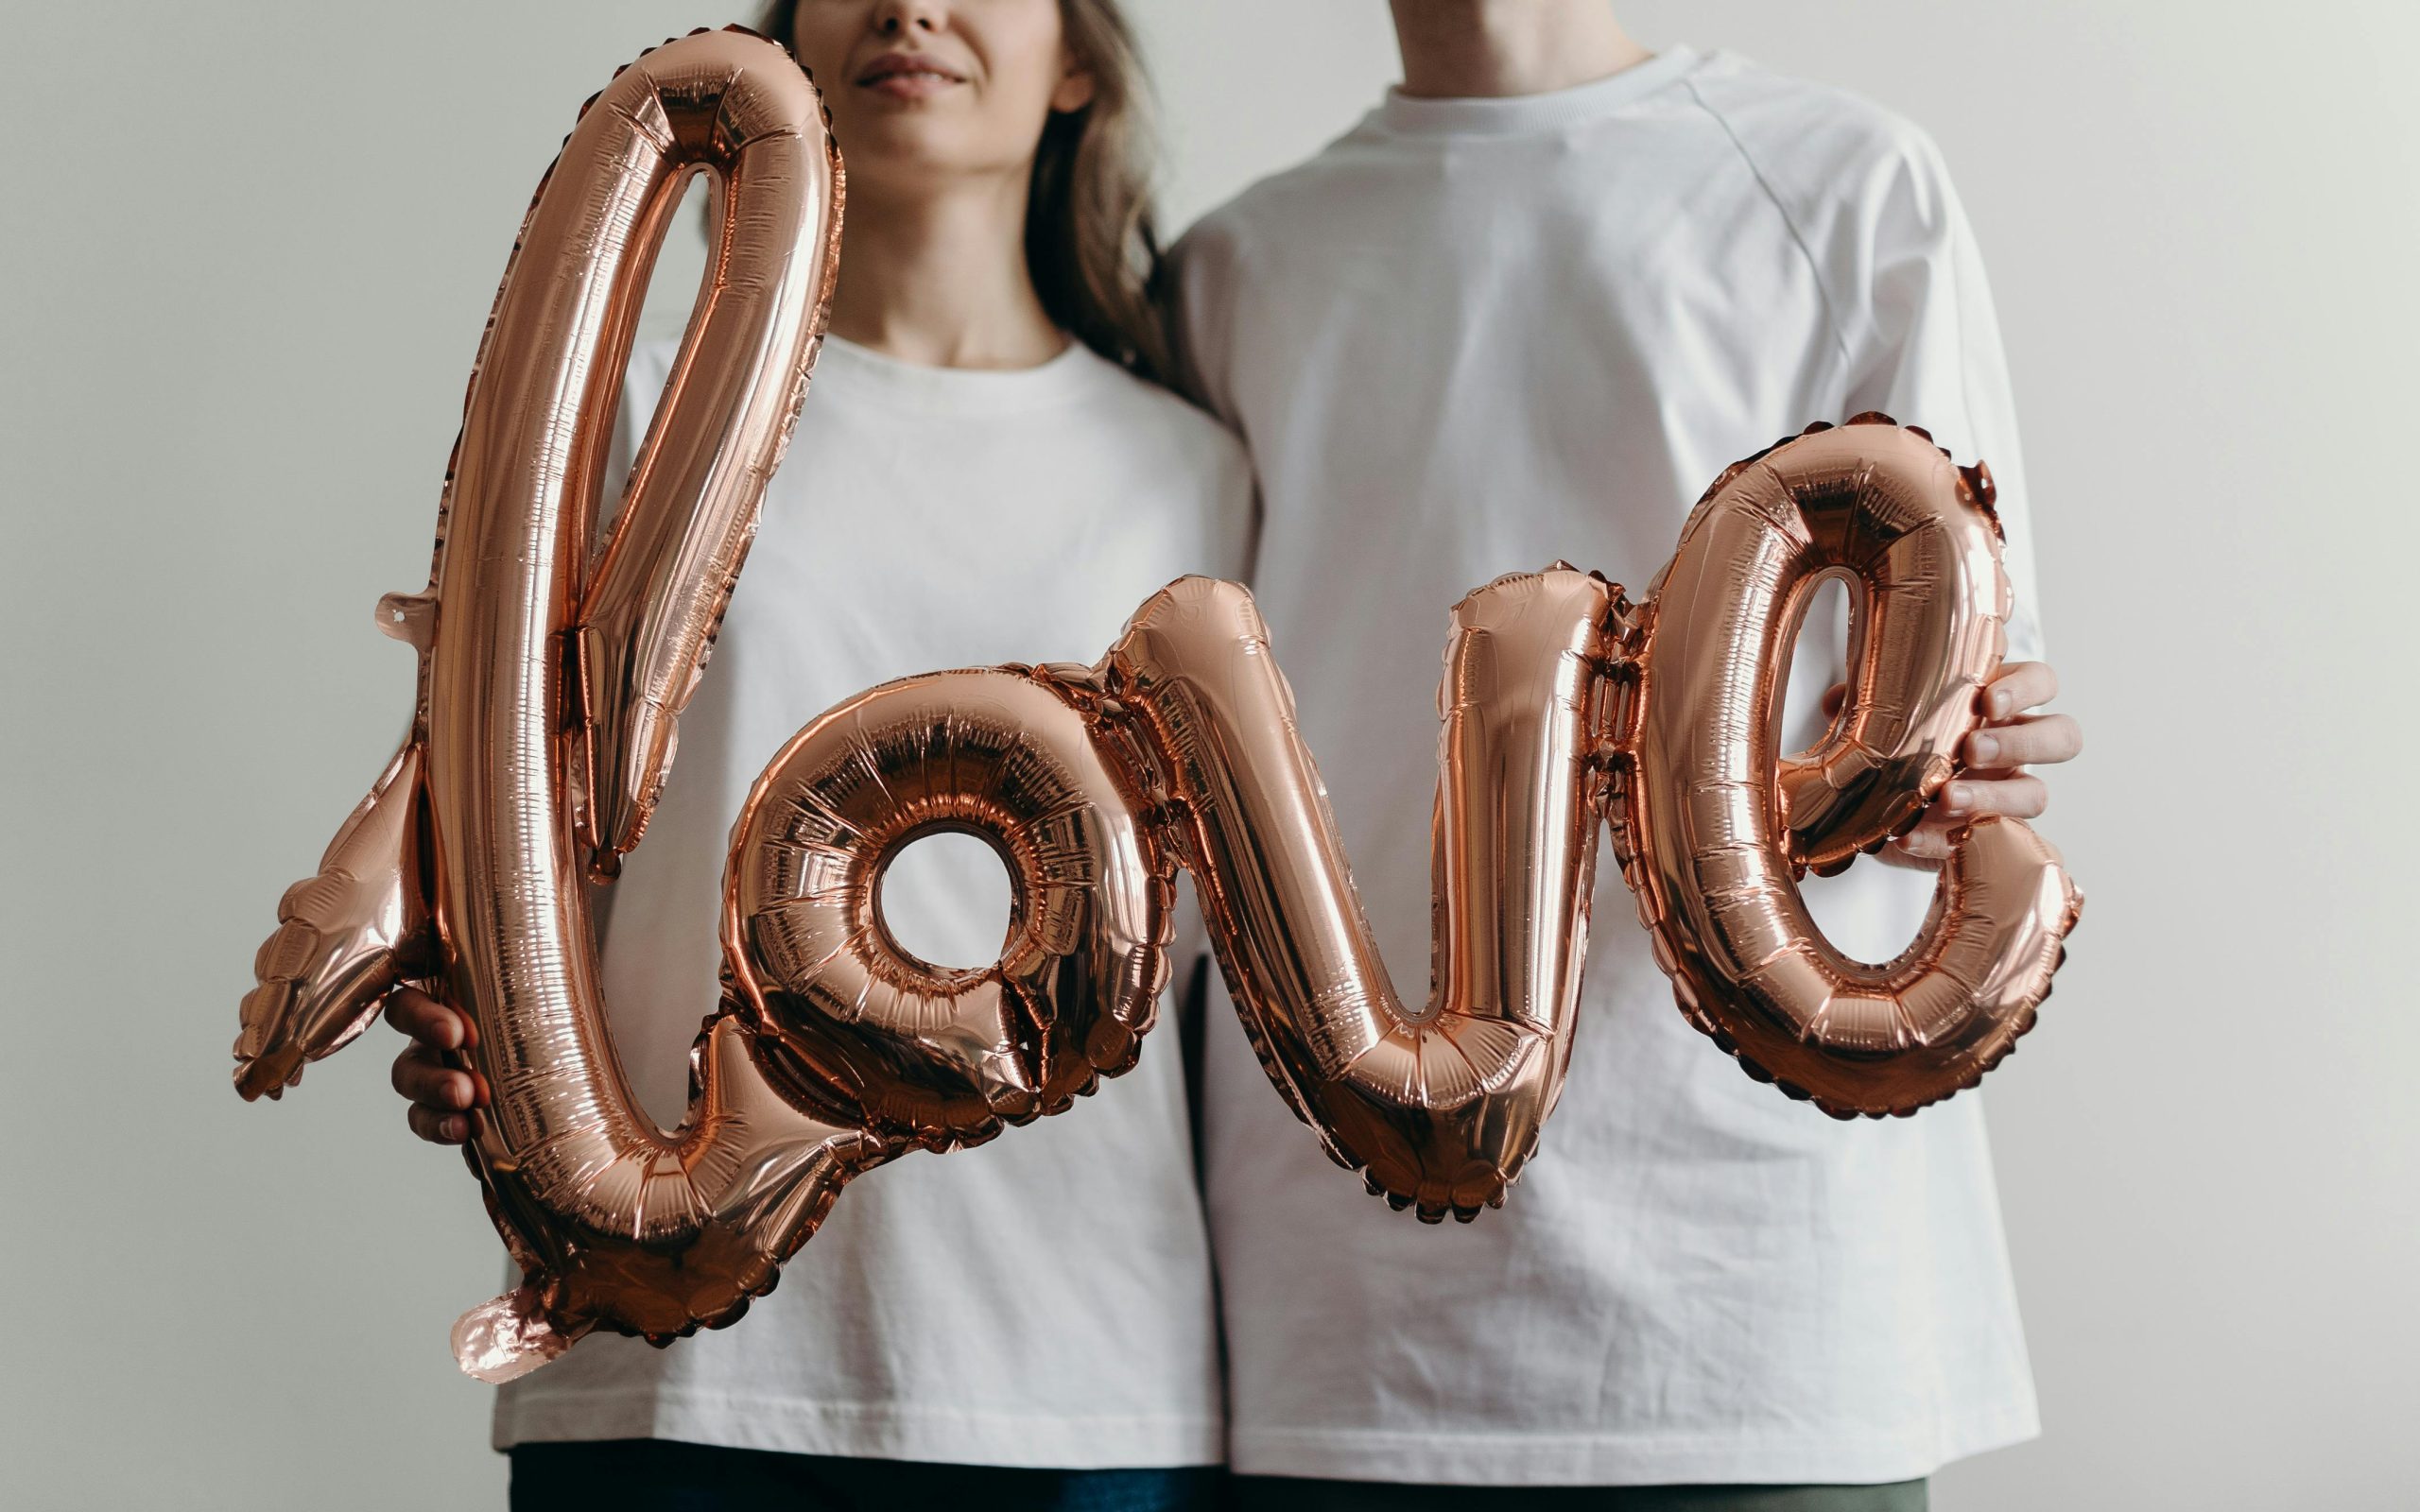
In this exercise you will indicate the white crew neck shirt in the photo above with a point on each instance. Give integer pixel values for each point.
(1469, 338)
(1045, 1299)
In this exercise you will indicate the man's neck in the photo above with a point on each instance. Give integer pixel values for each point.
(1459, 49)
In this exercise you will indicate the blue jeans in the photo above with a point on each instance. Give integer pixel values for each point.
(662, 1476)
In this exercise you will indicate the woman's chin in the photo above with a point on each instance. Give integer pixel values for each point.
(907, 148)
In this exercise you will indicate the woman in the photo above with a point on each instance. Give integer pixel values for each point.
(983, 474)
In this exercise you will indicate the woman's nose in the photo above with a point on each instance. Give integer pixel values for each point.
(894, 18)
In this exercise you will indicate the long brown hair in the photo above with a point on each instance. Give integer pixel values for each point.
(1091, 244)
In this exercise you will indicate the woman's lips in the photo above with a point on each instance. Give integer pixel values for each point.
(908, 75)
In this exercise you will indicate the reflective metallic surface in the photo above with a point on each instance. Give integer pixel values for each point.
(344, 937)
(552, 674)
(1442, 1105)
(550, 678)
(658, 1234)
(1699, 811)
(928, 1056)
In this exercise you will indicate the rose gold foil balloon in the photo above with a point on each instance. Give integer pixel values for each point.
(552, 674)
(933, 1057)
(1715, 829)
(1440, 1104)
(1553, 683)
(551, 677)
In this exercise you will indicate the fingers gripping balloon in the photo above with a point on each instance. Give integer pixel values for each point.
(552, 675)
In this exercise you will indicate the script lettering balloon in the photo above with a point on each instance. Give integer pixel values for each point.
(553, 673)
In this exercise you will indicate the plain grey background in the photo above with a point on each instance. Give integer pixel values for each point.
(246, 257)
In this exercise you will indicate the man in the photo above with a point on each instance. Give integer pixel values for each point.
(1530, 308)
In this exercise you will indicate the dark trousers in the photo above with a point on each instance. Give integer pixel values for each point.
(659, 1475)
(1264, 1493)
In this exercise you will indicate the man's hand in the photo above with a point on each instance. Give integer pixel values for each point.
(2008, 740)
(441, 1098)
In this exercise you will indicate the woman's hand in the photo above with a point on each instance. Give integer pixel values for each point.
(442, 1097)
(1995, 782)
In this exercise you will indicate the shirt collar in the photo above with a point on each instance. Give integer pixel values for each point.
(1522, 115)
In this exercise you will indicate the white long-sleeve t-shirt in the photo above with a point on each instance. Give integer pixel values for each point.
(1469, 338)
(1045, 1299)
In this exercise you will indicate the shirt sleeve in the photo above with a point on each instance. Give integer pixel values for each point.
(1199, 292)
(1923, 346)
(1237, 513)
